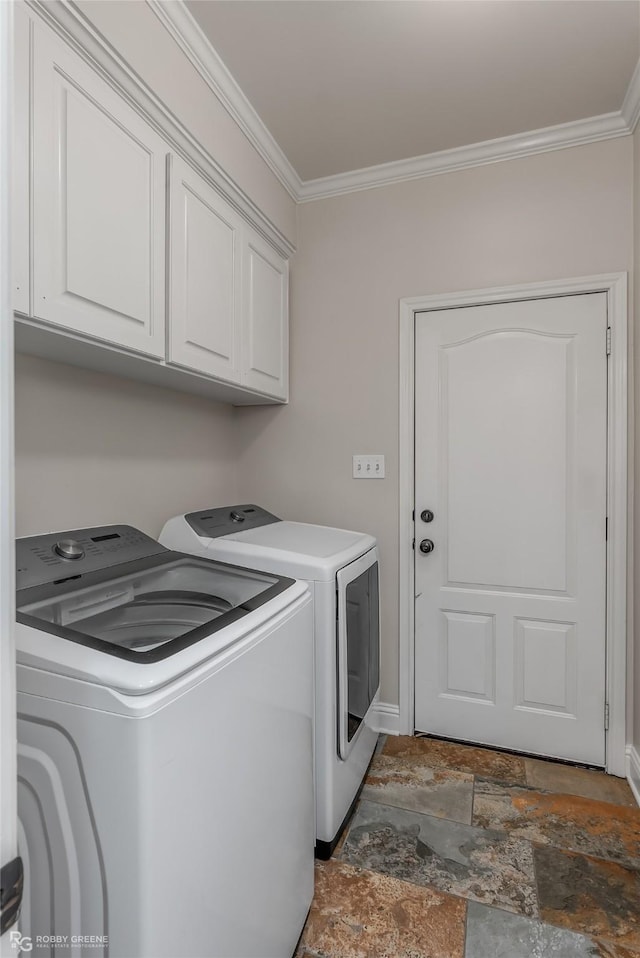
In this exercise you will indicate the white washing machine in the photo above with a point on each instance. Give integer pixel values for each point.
(165, 751)
(341, 568)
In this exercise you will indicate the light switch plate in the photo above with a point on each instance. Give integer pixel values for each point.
(368, 467)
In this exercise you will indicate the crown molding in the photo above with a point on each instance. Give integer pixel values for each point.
(67, 19)
(630, 109)
(197, 47)
(187, 33)
(550, 138)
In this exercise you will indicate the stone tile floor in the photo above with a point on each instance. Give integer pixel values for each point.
(462, 852)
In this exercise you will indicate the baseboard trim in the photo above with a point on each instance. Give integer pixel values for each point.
(385, 718)
(633, 771)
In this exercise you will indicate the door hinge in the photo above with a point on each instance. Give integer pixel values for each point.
(413, 543)
(606, 528)
(606, 717)
(608, 340)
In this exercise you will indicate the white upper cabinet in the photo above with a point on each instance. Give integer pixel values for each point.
(98, 205)
(126, 258)
(265, 364)
(204, 276)
(20, 167)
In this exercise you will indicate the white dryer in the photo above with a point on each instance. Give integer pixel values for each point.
(341, 568)
(165, 731)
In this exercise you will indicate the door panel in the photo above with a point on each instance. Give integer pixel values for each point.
(511, 404)
(98, 205)
(266, 323)
(468, 654)
(502, 544)
(205, 275)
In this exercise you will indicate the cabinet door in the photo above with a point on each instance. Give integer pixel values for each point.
(266, 319)
(98, 205)
(20, 158)
(204, 276)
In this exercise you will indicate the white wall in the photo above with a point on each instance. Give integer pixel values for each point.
(93, 449)
(558, 215)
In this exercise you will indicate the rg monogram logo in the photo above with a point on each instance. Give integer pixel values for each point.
(21, 942)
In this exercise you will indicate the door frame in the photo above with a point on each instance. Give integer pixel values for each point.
(8, 746)
(619, 559)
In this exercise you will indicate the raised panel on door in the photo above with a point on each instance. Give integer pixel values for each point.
(511, 404)
(20, 251)
(205, 277)
(266, 324)
(98, 205)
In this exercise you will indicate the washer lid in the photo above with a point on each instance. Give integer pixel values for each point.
(296, 549)
(149, 609)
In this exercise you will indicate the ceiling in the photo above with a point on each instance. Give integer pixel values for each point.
(347, 84)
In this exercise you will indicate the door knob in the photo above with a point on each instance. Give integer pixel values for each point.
(427, 546)
(426, 515)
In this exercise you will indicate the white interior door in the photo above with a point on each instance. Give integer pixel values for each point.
(511, 441)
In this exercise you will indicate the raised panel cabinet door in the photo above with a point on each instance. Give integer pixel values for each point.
(98, 205)
(20, 168)
(204, 276)
(266, 318)
(511, 458)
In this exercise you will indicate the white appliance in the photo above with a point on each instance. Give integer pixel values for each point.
(165, 751)
(341, 568)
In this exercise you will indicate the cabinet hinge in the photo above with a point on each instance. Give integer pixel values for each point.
(608, 340)
(413, 543)
(606, 716)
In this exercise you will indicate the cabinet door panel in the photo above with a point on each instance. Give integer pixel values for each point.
(266, 328)
(205, 290)
(98, 206)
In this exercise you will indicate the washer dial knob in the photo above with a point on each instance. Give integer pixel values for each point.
(68, 549)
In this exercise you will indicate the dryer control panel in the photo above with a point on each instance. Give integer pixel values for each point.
(212, 523)
(58, 555)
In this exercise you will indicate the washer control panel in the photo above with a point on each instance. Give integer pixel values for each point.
(59, 555)
(69, 549)
(212, 523)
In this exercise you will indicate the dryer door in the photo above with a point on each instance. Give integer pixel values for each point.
(358, 627)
